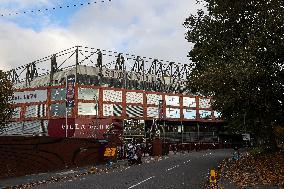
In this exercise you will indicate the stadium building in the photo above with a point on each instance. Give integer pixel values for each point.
(93, 91)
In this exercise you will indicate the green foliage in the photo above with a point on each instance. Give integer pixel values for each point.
(279, 131)
(262, 150)
(6, 91)
(238, 57)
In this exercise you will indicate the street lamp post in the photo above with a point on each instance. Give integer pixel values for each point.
(66, 112)
(198, 131)
(181, 132)
(164, 131)
(96, 108)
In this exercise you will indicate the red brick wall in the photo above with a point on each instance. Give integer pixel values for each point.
(27, 155)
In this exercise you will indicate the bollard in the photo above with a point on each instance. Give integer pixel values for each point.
(213, 179)
(93, 170)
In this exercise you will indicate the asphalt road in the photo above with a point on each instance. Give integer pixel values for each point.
(189, 170)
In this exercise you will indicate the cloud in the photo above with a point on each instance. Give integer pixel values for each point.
(146, 28)
(21, 46)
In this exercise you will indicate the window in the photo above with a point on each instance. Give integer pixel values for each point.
(87, 109)
(173, 113)
(35, 111)
(16, 113)
(58, 110)
(153, 99)
(189, 114)
(189, 102)
(217, 115)
(88, 94)
(172, 100)
(134, 111)
(112, 110)
(58, 94)
(31, 111)
(204, 114)
(112, 96)
(204, 103)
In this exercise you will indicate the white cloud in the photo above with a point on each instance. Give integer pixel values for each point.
(147, 28)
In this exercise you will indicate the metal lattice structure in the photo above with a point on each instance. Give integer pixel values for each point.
(168, 76)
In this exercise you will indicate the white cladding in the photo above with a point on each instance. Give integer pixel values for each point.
(87, 108)
(108, 109)
(112, 96)
(189, 102)
(204, 103)
(35, 111)
(134, 97)
(217, 114)
(29, 96)
(172, 113)
(189, 114)
(37, 127)
(172, 100)
(205, 114)
(153, 112)
(88, 94)
(153, 99)
(16, 113)
(31, 111)
(134, 111)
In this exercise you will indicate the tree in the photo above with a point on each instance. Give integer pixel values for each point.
(237, 59)
(6, 91)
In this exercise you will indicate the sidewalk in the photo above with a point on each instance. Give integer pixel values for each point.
(40, 178)
(226, 184)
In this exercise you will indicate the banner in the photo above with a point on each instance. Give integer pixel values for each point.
(29, 96)
(70, 91)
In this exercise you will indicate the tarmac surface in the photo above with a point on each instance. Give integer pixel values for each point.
(176, 171)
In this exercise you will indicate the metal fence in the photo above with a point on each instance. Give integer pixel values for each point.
(191, 136)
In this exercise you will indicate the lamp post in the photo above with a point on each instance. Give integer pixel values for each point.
(198, 131)
(162, 117)
(96, 108)
(66, 113)
(164, 131)
(181, 132)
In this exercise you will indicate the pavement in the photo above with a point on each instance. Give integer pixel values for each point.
(176, 171)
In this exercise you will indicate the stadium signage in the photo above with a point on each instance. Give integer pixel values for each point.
(129, 75)
(70, 88)
(29, 96)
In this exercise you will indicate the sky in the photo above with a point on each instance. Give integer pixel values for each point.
(141, 27)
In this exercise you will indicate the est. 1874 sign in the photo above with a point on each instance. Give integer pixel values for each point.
(29, 96)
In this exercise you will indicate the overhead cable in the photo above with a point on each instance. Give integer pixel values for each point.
(53, 8)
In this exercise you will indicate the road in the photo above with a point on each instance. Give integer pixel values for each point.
(189, 170)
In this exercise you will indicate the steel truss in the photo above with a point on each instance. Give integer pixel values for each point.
(171, 76)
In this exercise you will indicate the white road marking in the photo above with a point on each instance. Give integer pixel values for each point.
(186, 161)
(67, 172)
(141, 182)
(172, 168)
